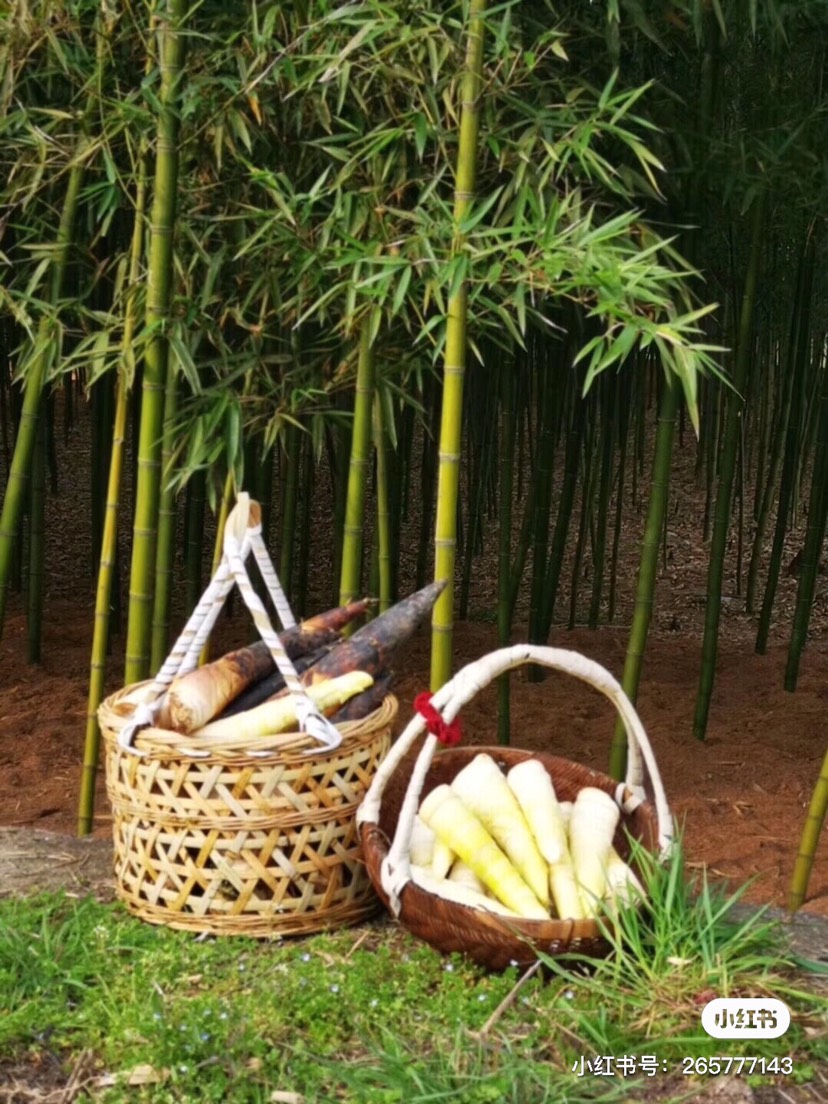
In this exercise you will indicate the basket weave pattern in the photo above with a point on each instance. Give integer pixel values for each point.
(241, 842)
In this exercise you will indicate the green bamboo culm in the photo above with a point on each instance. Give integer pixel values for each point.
(37, 513)
(810, 839)
(814, 535)
(504, 559)
(350, 578)
(797, 344)
(159, 284)
(289, 494)
(42, 352)
(648, 565)
(721, 521)
(383, 511)
(106, 566)
(164, 551)
(451, 421)
(194, 538)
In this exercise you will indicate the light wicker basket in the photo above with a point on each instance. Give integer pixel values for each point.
(238, 837)
(261, 844)
(386, 818)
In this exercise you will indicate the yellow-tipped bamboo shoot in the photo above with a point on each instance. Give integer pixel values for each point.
(535, 793)
(483, 789)
(463, 875)
(422, 843)
(623, 887)
(442, 858)
(280, 714)
(459, 893)
(459, 828)
(591, 829)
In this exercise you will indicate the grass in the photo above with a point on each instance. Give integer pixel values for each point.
(370, 1016)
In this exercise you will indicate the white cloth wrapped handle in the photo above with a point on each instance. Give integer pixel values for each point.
(242, 535)
(449, 700)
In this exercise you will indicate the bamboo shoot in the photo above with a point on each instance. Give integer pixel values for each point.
(279, 715)
(483, 789)
(535, 793)
(594, 819)
(451, 820)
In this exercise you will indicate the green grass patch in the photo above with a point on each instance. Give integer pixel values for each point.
(371, 1016)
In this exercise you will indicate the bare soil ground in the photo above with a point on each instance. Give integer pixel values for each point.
(741, 795)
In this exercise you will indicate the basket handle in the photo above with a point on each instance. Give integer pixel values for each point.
(449, 700)
(242, 535)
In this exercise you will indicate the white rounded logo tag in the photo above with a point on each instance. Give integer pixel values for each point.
(746, 1018)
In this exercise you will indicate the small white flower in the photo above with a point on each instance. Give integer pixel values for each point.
(306, 957)
(570, 994)
(374, 1002)
(334, 988)
(449, 966)
(481, 996)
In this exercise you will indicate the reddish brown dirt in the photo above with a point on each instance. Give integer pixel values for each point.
(742, 795)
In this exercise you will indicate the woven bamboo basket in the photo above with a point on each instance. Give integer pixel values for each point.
(387, 815)
(238, 837)
(258, 841)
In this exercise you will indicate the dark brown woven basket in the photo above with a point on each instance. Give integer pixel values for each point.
(495, 941)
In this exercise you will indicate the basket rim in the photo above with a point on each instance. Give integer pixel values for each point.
(155, 742)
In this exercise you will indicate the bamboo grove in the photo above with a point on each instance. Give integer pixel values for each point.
(469, 270)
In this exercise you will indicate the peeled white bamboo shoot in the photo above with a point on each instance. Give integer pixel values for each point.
(591, 829)
(529, 781)
(459, 893)
(535, 793)
(441, 858)
(459, 828)
(483, 789)
(279, 714)
(422, 843)
(461, 874)
(623, 886)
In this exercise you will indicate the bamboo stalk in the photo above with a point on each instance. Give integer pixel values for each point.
(170, 22)
(351, 572)
(37, 511)
(810, 839)
(602, 505)
(721, 523)
(504, 560)
(648, 566)
(194, 538)
(383, 512)
(109, 541)
(814, 536)
(165, 543)
(448, 475)
(35, 373)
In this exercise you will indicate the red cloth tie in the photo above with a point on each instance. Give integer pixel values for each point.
(448, 734)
